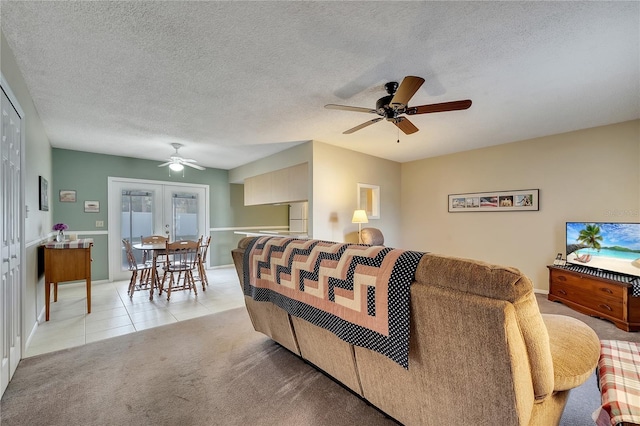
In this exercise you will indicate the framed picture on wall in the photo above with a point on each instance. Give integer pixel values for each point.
(67, 196)
(44, 194)
(494, 201)
(91, 206)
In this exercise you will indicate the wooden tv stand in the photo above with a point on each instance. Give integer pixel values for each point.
(601, 294)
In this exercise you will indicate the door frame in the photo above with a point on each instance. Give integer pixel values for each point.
(114, 241)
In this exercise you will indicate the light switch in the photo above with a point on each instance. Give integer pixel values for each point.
(99, 223)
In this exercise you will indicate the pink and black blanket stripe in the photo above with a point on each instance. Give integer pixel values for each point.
(358, 292)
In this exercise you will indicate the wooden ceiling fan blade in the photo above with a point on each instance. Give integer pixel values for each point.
(405, 125)
(195, 166)
(442, 107)
(361, 126)
(351, 108)
(407, 89)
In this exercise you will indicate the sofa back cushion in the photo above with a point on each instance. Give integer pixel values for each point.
(500, 283)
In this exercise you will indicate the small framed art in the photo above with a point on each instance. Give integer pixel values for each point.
(67, 196)
(92, 207)
(44, 194)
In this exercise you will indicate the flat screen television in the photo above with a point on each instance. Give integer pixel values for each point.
(605, 246)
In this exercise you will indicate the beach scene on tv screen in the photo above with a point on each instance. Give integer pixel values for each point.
(607, 246)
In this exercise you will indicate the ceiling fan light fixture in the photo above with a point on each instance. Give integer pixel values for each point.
(176, 167)
(395, 104)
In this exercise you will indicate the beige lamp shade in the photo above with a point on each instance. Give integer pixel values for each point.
(359, 216)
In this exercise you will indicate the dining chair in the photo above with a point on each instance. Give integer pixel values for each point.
(152, 239)
(202, 262)
(181, 258)
(136, 282)
(147, 256)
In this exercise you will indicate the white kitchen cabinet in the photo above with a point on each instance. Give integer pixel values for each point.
(280, 186)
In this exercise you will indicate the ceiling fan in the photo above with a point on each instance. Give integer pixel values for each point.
(177, 163)
(394, 105)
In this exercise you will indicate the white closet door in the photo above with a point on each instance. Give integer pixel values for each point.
(10, 241)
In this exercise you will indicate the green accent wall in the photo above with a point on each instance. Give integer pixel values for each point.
(88, 173)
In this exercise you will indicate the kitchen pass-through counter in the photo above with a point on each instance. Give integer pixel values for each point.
(274, 233)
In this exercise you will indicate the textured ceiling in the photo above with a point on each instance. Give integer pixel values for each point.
(236, 81)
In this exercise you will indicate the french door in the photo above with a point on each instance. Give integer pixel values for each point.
(142, 208)
(11, 226)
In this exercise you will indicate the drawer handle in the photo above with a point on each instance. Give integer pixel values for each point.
(562, 278)
(561, 291)
(607, 290)
(607, 307)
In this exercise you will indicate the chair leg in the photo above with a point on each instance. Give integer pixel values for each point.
(170, 286)
(132, 283)
(161, 283)
(145, 278)
(203, 276)
(192, 282)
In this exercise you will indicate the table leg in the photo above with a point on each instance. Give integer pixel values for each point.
(47, 299)
(89, 295)
(153, 275)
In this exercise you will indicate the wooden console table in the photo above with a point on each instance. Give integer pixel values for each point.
(66, 261)
(607, 296)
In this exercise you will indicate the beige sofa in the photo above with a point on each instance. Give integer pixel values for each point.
(480, 351)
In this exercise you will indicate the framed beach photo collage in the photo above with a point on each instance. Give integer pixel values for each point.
(494, 201)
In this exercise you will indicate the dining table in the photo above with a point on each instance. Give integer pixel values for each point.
(156, 249)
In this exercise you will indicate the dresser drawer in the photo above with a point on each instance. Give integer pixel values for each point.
(598, 288)
(583, 296)
(596, 296)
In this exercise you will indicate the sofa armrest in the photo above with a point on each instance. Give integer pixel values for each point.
(575, 350)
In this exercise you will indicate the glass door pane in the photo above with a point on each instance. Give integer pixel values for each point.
(184, 216)
(137, 219)
(184, 212)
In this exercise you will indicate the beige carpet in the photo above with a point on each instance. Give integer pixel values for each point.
(213, 370)
(584, 399)
(604, 329)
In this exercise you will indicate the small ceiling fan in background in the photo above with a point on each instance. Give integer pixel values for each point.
(177, 163)
(394, 105)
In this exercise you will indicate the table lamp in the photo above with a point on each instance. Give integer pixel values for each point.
(359, 217)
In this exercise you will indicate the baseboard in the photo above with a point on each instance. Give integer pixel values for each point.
(32, 333)
(537, 290)
(221, 266)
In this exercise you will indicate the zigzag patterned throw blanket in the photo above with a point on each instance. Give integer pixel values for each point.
(358, 292)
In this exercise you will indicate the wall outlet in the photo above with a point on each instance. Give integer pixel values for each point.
(99, 223)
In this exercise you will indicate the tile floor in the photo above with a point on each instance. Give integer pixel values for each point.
(113, 313)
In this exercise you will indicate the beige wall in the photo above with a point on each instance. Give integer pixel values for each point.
(37, 163)
(333, 177)
(336, 173)
(586, 175)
